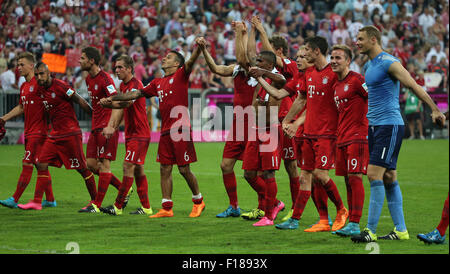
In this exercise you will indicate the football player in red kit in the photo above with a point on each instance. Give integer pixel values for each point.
(137, 139)
(176, 146)
(64, 143)
(320, 129)
(263, 150)
(288, 68)
(99, 150)
(352, 151)
(238, 136)
(35, 129)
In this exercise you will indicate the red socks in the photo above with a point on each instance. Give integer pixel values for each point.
(443, 225)
(300, 203)
(49, 191)
(258, 184)
(142, 190)
(103, 183)
(349, 196)
(115, 182)
(41, 185)
(229, 181)
(333, 194)
(356, 202)
(123, 191)
(24, 180)
(197, 201)
(320, 199)
(294, 185)
(167, 204)
(270, 196)
(89, 179)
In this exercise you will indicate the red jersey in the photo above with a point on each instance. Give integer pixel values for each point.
(351, 101)
(294, 86)
(136, 122)
(321, 116)
(100, 86)
(289, 71)
(244, 87)
(172, 91)
(58, 104)
(34, 112)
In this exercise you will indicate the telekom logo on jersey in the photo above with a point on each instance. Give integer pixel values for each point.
(311, 90)
(256, 130)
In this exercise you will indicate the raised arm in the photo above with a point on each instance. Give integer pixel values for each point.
(189, 64)
(399, 72)
(265, 42)
(217, 69)
(241, 51)
(251, 46)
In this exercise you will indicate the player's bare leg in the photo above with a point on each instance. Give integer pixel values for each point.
(166, 189)
(190, 178)
(93, 165)
(192, 182)
(166, 181)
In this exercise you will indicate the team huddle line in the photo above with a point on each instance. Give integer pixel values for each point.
(313, 115)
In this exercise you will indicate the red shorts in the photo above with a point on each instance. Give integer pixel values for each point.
(236, 141)
(318, 153)
(136, 150)
(352, 158)
(298, 150)
(67, 150)
(234, 150)
(175, 152)
(98, 147)
(263, 155)
(289, 152)
(33, 146)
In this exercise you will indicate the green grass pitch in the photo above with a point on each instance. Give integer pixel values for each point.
(423, 170)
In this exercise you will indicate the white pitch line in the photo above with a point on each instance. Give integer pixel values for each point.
(5, 247)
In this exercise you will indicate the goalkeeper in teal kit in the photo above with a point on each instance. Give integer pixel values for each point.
(383, 75)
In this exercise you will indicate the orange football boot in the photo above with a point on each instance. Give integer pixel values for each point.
(341, 217)
(197, 210)
(163, 213)
(322, 225)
